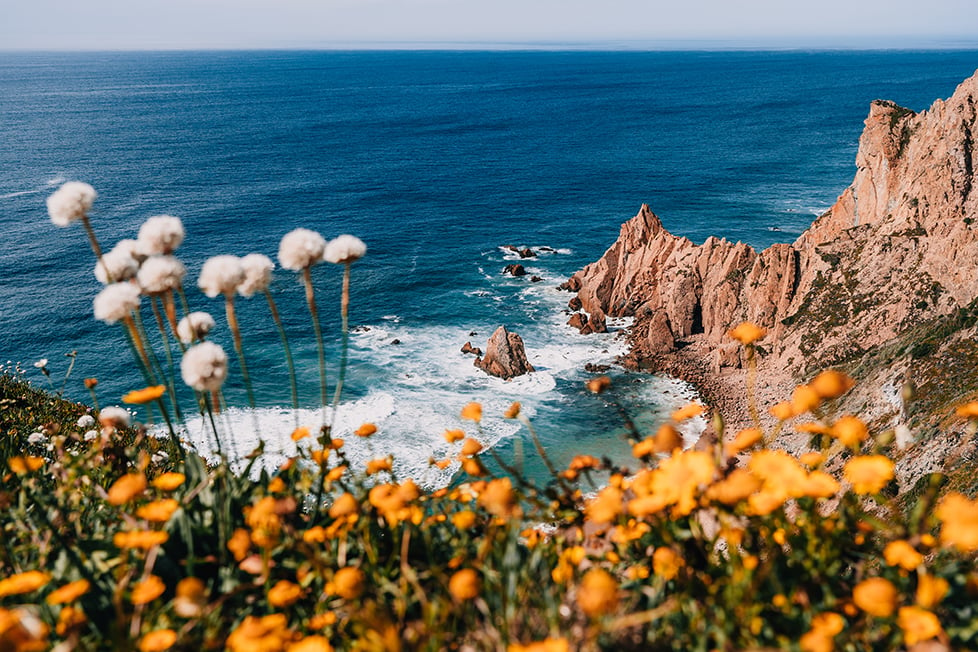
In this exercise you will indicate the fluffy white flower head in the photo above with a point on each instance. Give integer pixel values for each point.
(114, 417)
(115, 302)
(160, 234)
(160, 274)
(71, 202)
(120, 265)
(300, 249)
(344, 249)
(194, 326)
(86, 421)
(131, 247)
(204, 367)
(257, 274)
(220, 275)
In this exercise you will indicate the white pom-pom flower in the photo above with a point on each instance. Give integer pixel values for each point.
(71, 202)
(85, 421)
(160, 234)
(114, 417)
(120, 265)
(204, 367)
(220, 275)
(257, 274)
(115, 302)
(131, 247)
(300, 249)
(160, 274)
(344, 249)
(194, 326)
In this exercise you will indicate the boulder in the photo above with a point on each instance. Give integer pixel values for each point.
(578, 320)
(505, 355)
(515, 270)
(468, 348)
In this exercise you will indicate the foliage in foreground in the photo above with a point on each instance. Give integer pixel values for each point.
(113, 539)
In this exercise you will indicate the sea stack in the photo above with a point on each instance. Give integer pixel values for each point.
(505, 355)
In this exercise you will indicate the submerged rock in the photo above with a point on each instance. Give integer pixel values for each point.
(515, 270)
(505, 355)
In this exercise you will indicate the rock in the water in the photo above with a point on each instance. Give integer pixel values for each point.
(578, 320)
(515, 270)
(527, 253)
(575, 303)
(596, 323)
(468, 348)
(535, 279)
(505, 355)
(395, 341)
(593, 368)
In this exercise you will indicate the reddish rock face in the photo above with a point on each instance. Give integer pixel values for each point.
(898, 246)
(505, 355)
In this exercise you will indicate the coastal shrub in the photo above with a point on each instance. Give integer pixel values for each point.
(732, 545)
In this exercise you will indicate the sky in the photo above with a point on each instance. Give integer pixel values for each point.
(639, 24)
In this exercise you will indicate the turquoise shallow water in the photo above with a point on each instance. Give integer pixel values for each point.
(436, 160)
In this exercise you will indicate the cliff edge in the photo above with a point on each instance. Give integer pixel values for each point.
(892, 267)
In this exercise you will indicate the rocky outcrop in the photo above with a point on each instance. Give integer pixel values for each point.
(474, 350)
(505, 355)
(897, 248)
(515, 270)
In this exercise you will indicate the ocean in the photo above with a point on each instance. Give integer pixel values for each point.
(437, 160)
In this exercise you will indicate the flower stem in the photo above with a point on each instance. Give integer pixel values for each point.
(314, 313)
(345, 319)
(96, 249)
(288, 354)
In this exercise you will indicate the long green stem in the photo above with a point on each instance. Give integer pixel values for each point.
(96, 249)
(239, 346)
(170, 377)
(314, 313)
(288, 354)
(345, 317)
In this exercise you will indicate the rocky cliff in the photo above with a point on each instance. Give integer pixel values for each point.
(891, 264)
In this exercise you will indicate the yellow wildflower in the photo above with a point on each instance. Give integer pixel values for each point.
(300, 433)
(498, 498)
(267, 634)
(126, 488)
(147, 590)
(666, 563)
(918, 625)
(687, 412)
(931, 590)
(868, 473)
(825, 627)
(158, 511)
(452, 436)
(348, 583)
(191, 598)
(378, 465)
(141, 539)
(311, 644)
(145, 395)
(831, 384)
(737, 486)
(26, 582)
(598, 593)
(472, 412)
(968, 410)
(744, 440)
(464, 585)
(959, 522)
(804, 399)
(471, 446)
(546, 645)
(512, 411)
(284, 594)
(819, 484)
(69, 592)
(22, 464)
(747, 333)
(901, 553)
(169, 481)
(463, 520)
(239, 544)
(876, 596)
(850, 430)
(158, 640)
(667, 439)
(365, 430)
(782, 411)
(605, 507)
(344, 505)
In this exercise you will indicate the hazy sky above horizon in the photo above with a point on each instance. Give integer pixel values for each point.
(185, 24)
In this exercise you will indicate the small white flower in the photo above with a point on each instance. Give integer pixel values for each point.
(90, 435)
(160, 274)
(120, 264)
(300, 249)
(204, 367)
(257, 274)
(86, 421)
(194, 326)
(160, 234)
(159, 456)
(344, 249)
(220, 275)
(36, 438)
(115, 302)
(114, 417)
(71, 202)
(131, 247)
(40, 364)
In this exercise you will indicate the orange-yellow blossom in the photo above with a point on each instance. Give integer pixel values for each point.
(868, 473)
(959, 522)
(876, 596)
(918, 625)
(472, 412)
(145, 395)
(126, 488)
(598, 593)
(26, 582)
(747, 333)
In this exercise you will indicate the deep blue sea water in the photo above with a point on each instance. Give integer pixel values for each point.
(436, 160)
